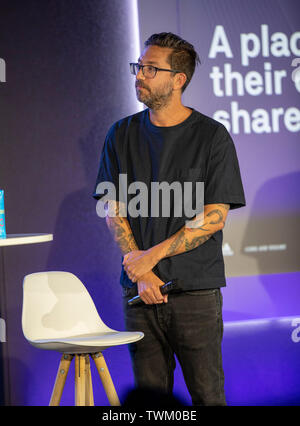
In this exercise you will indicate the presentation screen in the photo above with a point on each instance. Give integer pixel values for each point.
(249, 80)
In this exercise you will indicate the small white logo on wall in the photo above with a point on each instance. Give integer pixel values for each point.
(295, 336)
(227, 250)
(264, 248)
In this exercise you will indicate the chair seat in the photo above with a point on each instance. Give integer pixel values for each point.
(88, 343)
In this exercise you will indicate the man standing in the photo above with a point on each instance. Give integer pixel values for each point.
(170, 142)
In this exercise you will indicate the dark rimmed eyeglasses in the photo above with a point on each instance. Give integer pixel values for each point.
(149, 71)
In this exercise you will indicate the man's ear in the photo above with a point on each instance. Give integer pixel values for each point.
(179, 80)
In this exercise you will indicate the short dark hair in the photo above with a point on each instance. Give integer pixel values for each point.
(183, 58)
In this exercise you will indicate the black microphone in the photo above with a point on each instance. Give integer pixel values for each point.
(164, 289)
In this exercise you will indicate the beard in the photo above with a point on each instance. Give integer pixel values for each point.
(155, 99)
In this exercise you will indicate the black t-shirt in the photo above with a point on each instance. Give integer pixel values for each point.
(197, 149)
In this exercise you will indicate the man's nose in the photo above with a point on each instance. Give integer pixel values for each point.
(140, 75)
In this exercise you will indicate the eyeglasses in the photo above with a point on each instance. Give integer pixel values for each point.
(149, 71)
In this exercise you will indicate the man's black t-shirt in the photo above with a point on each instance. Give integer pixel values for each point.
(197, 149)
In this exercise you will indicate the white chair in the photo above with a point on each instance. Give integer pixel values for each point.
(59, 314)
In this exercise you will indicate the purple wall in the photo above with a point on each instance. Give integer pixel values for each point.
(67, 81)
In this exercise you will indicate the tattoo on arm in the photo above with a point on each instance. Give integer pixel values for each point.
(121, 231)
(189, 245)
(225, 206)
(218, 213)
(179, 239)
(184, 240)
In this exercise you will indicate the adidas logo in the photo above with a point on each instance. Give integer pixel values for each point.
(227, 250)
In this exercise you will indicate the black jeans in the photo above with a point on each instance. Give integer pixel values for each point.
(189, 325)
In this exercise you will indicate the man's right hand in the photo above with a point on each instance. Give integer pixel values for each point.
(149, 283)
(149, 289)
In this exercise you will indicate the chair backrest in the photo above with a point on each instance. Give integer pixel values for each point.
(56, 304)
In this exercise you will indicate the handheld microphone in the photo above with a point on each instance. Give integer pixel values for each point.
(164, 289)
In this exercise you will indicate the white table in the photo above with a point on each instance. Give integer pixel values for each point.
(11, 240)
(17, 239)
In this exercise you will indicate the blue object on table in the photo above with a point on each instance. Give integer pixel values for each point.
(2, 215)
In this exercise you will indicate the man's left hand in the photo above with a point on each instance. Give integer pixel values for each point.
(139, 262)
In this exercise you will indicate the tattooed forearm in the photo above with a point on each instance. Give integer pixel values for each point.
(121, 231)
(176, 243)
(189, 245)
(197, 232)
(185, 240)
(197, 223)
(218, 216)
(122, 234)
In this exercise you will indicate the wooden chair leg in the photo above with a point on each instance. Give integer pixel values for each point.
(80, 379)
(89, 397)
(106, 379)
(60, 380)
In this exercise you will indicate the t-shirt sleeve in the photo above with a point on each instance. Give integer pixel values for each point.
(107, 182)
(223, 183)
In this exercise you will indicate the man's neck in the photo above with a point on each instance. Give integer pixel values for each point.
(169, 115)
